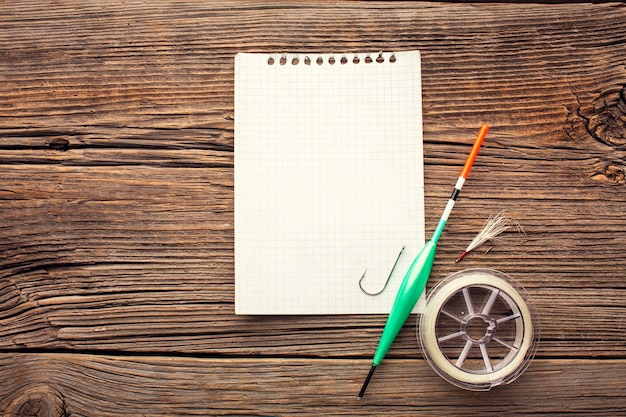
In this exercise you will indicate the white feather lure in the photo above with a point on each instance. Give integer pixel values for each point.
(495, 225)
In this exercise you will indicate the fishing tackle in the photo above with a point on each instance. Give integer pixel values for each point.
(495, 225)
(417, 275)
(388, 276)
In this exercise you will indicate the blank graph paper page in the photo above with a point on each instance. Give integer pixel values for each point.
(329, 182)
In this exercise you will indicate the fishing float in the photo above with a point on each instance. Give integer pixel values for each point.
(417, 275)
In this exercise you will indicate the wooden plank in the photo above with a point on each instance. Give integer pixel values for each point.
(144, 311)
(116, 205)
(112, 386)
(161, 66)
(146, 256)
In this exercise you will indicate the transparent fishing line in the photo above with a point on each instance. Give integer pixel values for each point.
(479, 329)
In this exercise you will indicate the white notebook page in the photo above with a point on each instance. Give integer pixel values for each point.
(328, 180)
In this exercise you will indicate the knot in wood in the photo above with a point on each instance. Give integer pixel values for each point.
(610, 173)
(39, 402)
(608, 121)
(59, 144)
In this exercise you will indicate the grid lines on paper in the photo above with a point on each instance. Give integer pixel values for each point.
(328, 182)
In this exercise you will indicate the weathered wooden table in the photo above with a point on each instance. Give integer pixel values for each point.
(116, 205)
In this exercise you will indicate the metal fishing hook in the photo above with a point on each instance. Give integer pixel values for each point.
(388, 277)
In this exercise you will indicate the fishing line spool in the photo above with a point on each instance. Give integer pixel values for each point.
(479, 329)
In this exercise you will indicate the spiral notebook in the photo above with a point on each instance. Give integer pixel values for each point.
(328, 180)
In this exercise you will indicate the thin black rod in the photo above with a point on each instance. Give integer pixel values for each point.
(367, 381)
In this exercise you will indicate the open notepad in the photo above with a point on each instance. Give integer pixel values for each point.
(328, 180)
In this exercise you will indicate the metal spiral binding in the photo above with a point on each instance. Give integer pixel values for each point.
(331, 59)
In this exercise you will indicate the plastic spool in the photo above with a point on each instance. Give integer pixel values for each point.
(479, 329)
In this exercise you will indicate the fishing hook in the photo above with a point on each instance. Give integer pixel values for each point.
(388, 277)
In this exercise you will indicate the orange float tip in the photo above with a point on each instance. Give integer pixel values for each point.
(474, 152)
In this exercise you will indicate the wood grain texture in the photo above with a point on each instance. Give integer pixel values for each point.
(112, 386)
(116, 204)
